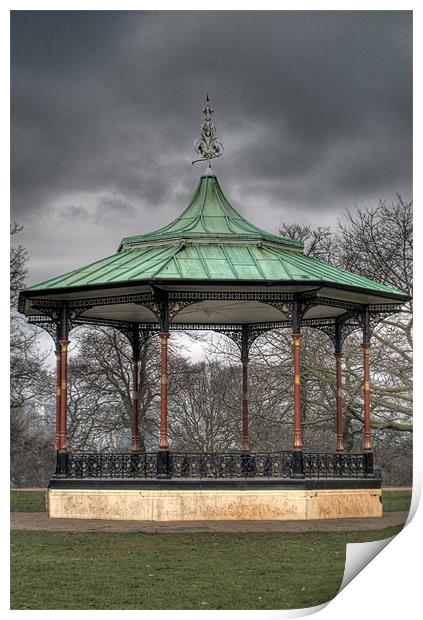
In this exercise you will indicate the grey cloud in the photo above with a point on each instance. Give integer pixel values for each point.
(111, 207)
(314, 109)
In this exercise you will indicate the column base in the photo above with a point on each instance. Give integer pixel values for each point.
(368, 464)
(61, 464)
(297, 464)
(163, 464)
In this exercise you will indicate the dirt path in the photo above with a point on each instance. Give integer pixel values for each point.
(32, 489)
(397, 489)
(38, 521)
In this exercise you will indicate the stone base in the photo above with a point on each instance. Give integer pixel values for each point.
(213, 504)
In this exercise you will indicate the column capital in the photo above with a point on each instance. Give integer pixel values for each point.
(297, 340)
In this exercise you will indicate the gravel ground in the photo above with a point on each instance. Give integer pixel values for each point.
(39, 521)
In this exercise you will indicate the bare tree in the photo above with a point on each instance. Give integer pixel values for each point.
(31, 429)
(205, 412)
(100, 389)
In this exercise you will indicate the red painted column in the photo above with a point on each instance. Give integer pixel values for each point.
(339, 404)
(58, 395)
(298, 434)
(63, 426)
(135, 442)
(368, 447)
(163, 443)
(245, 412)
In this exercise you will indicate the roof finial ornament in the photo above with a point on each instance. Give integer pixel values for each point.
(208, 145)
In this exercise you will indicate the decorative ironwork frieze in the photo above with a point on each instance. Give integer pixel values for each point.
(198, 296)
(145, 330)
(178, 300)
(244, 337)
(385, 309)
(337, 328)
(176, 306)
(47, 324)
(48, 307)
(235, 335)
(134, 298)
(339, 303)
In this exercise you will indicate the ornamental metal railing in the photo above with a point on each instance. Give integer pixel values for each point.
(322, 465)
(214, 465)
(105, 465)
(231, 465)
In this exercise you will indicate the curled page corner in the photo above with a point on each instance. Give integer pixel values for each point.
(277, 614)
(415, 500)
(300, 613)
(358, 555)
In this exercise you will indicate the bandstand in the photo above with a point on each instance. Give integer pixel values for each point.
(210, 269)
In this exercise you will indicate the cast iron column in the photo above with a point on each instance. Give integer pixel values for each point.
(135, 441)
(368, 447)
(296, 329)
(245, 421)
(298, 433)
(339, 395)
(163, 456)
(164, 443)
(62, 444)
(58, 390)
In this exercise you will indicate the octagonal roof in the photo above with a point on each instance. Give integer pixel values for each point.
(210, 216)
(211, 242)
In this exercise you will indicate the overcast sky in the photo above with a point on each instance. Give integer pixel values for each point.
(314, 110)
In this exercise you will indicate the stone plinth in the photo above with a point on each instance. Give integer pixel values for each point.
(213, 504)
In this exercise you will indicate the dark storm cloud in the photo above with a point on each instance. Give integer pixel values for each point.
(314, 109)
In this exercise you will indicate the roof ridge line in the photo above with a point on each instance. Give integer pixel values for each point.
(227, 217)
(174, 253)
(203, 202)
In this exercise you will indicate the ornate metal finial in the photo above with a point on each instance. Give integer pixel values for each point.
(208, 145)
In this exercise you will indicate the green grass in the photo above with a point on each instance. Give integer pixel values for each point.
(27, 501)
(394, 501)
(178, 571)
(34, 501)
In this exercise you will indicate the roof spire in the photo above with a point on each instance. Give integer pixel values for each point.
(208, 145)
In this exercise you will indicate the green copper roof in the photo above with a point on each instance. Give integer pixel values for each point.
(208, 216)
(210, 241)
(210, 262)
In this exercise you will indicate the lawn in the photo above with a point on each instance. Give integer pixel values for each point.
(394, 501)
(178, 571)
(27, 501)
(34, 501)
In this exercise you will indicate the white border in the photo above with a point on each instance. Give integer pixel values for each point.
(390, 585)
